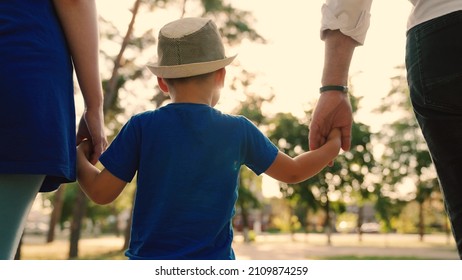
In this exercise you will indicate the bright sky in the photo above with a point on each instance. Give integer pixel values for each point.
(291, 62)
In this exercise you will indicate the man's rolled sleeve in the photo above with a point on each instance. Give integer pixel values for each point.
(351, 17)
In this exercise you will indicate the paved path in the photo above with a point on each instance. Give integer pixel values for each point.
(278, 247)
(313, 246)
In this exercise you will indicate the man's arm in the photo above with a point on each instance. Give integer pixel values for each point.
(344, 26)
(333, 109)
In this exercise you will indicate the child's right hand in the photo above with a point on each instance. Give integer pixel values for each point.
(334, 134)
(335, 138)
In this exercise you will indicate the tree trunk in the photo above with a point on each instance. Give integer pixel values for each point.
(127, 232)
(360, 222)
(115, 226)
(128, 228)
(292, 222)
(245, 221)
(307, 226)
(421, 221)
(58, 202)
(328, 222)
(111, 89)
(79, 211)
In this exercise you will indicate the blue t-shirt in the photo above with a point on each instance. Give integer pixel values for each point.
(188, 158)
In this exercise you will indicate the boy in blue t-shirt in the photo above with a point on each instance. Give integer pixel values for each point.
(187, 155)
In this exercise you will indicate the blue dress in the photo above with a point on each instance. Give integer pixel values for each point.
(37, 114)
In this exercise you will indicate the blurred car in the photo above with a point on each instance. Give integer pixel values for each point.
(346, 227)
(36, 227)
(370, 228)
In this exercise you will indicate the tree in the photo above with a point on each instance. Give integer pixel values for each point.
(134, 43)
(246, 200)
(348, 181)
(57, 202)
(405, 156)
(290, 135)
(357, 166)
(329, 189)
(78, 214)
(251, 108)
(233, 23)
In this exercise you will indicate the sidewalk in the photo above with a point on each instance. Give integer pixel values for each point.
(346, 246)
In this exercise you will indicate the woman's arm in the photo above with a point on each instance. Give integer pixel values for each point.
(302, 167)
(80, 24)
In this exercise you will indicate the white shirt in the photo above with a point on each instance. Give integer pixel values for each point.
(352, 17)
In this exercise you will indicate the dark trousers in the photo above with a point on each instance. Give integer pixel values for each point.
(434, 73)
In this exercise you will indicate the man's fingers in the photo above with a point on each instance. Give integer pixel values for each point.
(346, 138)
(314, 137)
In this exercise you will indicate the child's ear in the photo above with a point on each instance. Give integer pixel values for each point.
(220, 77)
(162, 84)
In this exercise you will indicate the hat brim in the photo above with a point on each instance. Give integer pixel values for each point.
(189, 70)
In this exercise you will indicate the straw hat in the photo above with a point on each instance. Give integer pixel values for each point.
(189, 47)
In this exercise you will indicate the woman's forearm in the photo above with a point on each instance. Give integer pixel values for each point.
(80, 23)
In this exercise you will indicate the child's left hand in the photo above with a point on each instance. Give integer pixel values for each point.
(85, 147)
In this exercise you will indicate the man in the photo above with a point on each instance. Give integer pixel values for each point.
(434, 71)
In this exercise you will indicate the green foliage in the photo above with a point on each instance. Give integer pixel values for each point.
(246, 197)
(70, 193)
(291, 136)
(347, 181)
(405, 156)
(124, 66)
(387, 208)
(251, 106)
(235, 25)
(344, 180)
(249, 183)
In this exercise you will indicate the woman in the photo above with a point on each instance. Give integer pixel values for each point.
(41, 43)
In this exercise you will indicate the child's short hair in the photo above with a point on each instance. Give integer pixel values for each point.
(201, 77)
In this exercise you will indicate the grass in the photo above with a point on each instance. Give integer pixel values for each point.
(102, 248)
(111, 255)
(357, 258)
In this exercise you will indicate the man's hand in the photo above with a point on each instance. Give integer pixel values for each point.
(333, 110)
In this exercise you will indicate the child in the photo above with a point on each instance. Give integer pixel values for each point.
(188, 155)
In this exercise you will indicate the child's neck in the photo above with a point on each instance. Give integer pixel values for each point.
(194, 95)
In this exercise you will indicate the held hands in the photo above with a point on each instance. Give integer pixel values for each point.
(85, 148)
(91, 127)
(335, 135)
(334, 139)
(332, 111)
